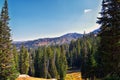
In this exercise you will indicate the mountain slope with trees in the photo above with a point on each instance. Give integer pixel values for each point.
(65, 39)
(94, 55)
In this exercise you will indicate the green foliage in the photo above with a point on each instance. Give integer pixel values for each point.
(31, 71)
(109, 50)
(73, 55)
(89, 48)
(52, 67)
(24, 60)
(45, 64)
(62, 64)
(7, 64)
(15, 54)
(81, 55)
(36, 62)
(112, 77)
(40, 63)
(50, 62)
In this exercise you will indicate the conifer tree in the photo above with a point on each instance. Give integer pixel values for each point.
(37, 62)
(52, 66)
(24, 61)
(31, 71)
(62, 64)
(16, 59)
(45, 70)
(40, 64)
(91, 68)
(108, 57)
(7, 64)
(57, 61)
(85, 52)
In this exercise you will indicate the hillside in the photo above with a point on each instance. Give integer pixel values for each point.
(65, 39)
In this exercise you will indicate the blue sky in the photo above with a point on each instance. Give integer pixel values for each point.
(32, 19)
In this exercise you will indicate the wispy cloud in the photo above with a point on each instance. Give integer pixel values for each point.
(87, 10)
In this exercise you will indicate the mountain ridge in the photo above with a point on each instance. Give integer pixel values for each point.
(64, 39)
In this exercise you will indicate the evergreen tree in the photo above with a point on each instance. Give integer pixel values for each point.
(24, 60)
(40, 64)
(93, 45)
(70, 58)
(62, 64)
(57, 61)
(45, 69)
(15, 54)
(78, 49)
(49, 54)
(7, 64)
(36, 62)
(109, 50)
(31, 71)
(84, 52)
(52, 66)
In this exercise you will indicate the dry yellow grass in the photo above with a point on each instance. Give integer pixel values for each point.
(31, 78)
(70, 76)
(73, 76)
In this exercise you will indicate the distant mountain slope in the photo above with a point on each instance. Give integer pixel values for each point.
(49, 41)
(65, 39)
(96, 31)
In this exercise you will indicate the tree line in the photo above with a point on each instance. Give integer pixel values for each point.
(53, 61)
(96, 56)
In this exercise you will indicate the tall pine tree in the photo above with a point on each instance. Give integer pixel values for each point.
(24, 61)
(62, 64)
(7, 64)
(15, 54)
(108, 57)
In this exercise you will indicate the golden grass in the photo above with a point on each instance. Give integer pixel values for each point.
(73, 76)
(70, 76)
(31, 78)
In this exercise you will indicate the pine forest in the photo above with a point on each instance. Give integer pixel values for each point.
(95, 56)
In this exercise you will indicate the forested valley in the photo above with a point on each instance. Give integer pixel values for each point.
(96, 56)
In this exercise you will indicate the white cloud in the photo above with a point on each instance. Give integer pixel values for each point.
(87, 10)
